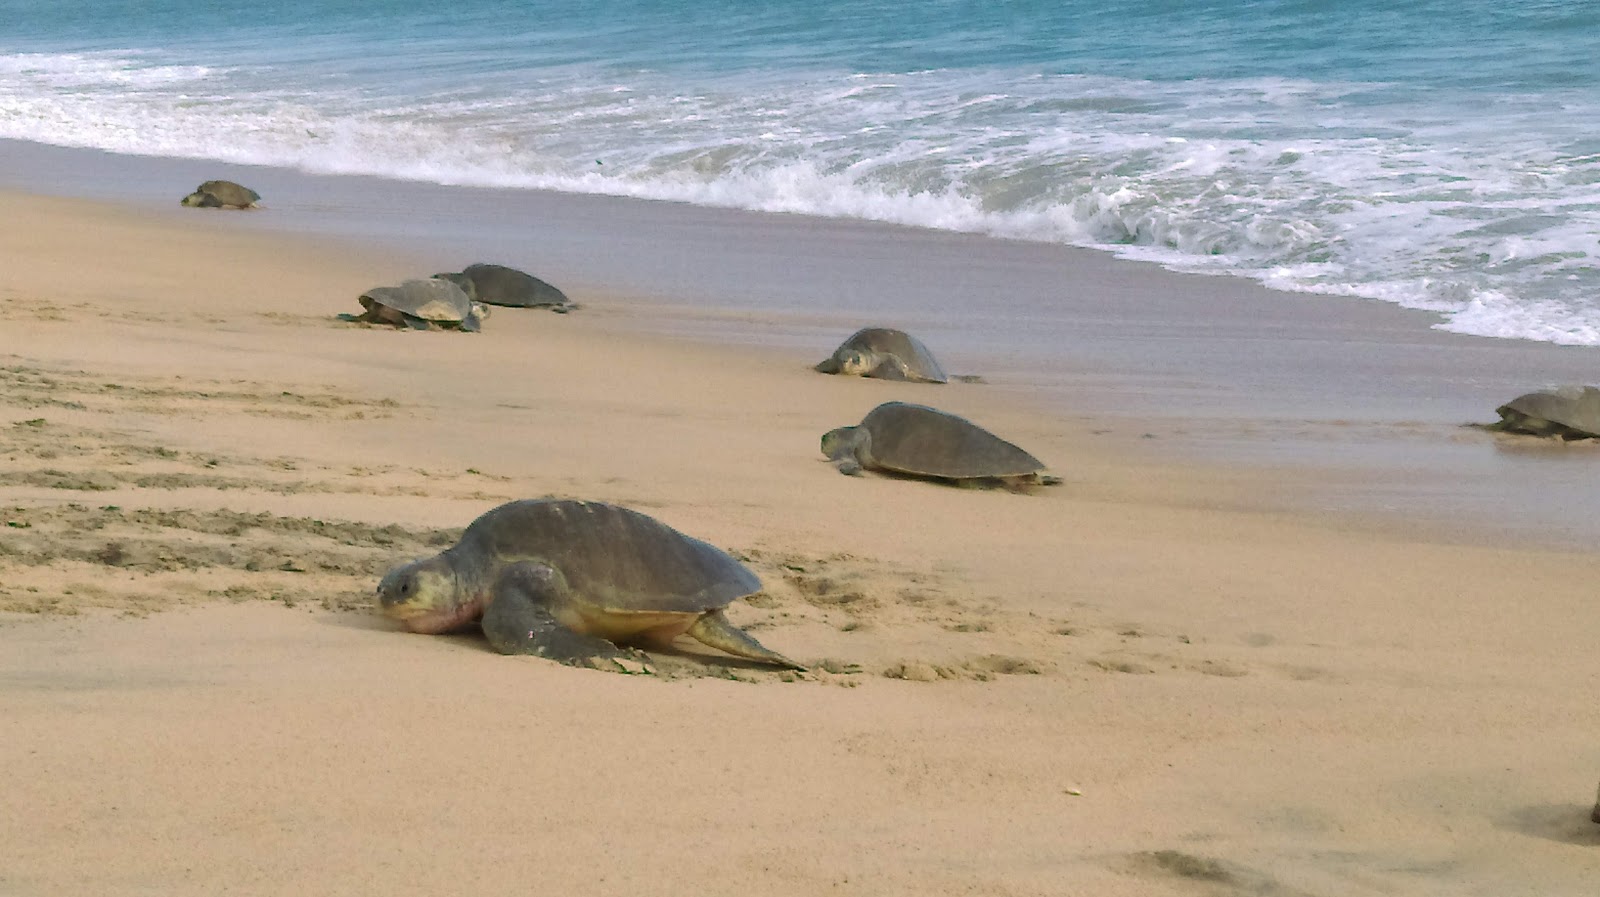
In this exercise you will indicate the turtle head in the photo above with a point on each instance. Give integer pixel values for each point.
(841, 442)
(424, 596)
(856, 362)
(846, 447)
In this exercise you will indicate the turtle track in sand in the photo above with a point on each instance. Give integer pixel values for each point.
(20, 306)
(924, 626)
(117, 518)
(143, 559)
(25, 385)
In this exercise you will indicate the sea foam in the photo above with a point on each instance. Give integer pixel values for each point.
(1483, 212)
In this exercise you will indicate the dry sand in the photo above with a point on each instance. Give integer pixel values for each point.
(1147, 681)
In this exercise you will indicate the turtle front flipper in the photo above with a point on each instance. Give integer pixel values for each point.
(714, 629)
(519, 621)
(847, 448)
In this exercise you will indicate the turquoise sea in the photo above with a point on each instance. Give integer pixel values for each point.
(1439, 154)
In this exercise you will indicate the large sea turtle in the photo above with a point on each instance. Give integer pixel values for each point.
(222, 195)
(1570, 412)
(902, 438)
(886, 354)
(499, 285)
(571, 580)
(423, 304)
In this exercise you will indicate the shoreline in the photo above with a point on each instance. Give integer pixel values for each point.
(1165, 670)
(1361, 399)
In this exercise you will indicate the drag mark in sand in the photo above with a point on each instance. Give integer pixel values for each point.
(30, 386)
(90, 523)
(927, 627)
(140, 560)
(41, 452)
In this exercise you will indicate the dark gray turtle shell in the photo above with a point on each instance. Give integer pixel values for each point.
(430, 299)
(886, 341)
(925, 441)
(614, 559)
(222, 194)
(1574, 412)
(499, 285)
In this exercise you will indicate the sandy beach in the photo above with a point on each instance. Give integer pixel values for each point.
(1286, 627)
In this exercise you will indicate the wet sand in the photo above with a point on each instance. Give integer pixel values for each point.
(1186, 670)
(1355, 403)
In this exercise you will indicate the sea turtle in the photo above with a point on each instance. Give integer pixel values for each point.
(570, 580)
(902, 438)
(886, 354)
(1570, 412)
(222, 195)
(423, 304)
(499, 285)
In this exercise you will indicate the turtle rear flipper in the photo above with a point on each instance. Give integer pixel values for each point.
(714, 629)
(519, 621)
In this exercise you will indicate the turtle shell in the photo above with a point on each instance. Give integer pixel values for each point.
(431, 299)
(925, 441)
(888, 341)
(614, 559)
(499, 285)
(1575, 407)
(222, 193)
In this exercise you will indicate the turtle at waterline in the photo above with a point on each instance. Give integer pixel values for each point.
(222, 195)
(915, 440)
(885, 354)
(1567, 412)
(499, 285)
(422, 304)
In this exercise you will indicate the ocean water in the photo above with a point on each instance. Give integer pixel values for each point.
(1439, 154)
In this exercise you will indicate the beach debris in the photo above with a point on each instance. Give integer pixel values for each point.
(422, 304)
(573, 581)
(886, 354)
(499, 285)
(1568, 412)
(222, 195)
(915, 440)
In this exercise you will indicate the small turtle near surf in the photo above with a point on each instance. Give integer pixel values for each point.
(222, 195)
(574, 582)
(422, 304)
(915, 440)
(1566, 412)
(499, 285)
(886, 354)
